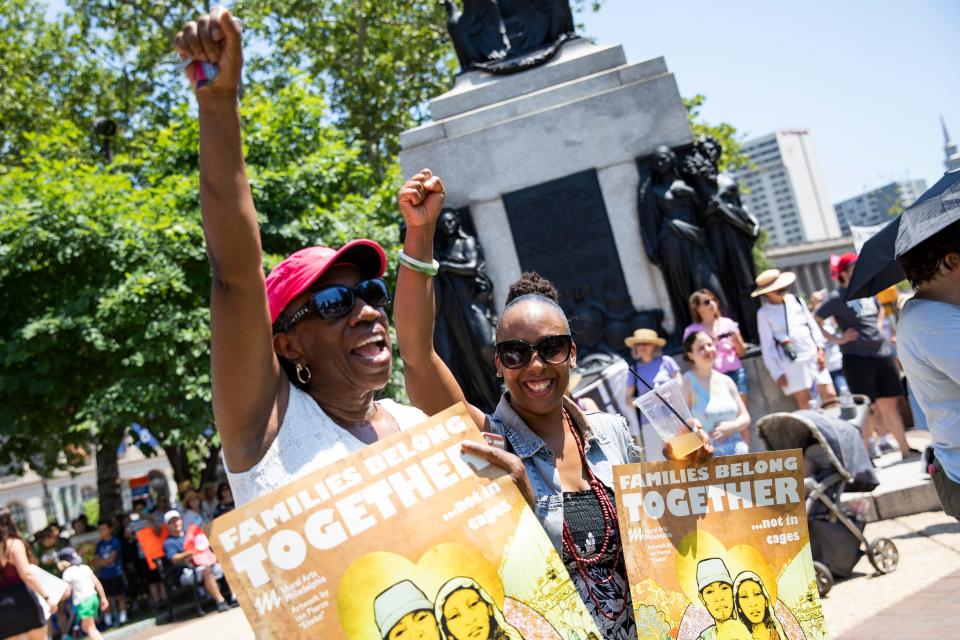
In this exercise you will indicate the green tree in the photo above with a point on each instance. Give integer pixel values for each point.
(725, 133)
(103, 277)
(104, 282)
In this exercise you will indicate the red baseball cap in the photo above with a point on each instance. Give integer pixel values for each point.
(299, 270)
(843, 262)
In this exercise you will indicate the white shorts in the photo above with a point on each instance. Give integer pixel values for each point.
(188, 575)
(801, 375)
(824, 377)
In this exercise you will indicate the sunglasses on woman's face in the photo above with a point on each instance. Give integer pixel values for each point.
(336, 301)
(706, 301)
(515, 354)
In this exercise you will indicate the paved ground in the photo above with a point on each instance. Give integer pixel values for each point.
(918, 601)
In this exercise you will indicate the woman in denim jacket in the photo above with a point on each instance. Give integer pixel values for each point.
(567, 455)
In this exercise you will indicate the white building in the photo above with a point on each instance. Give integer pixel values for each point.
(786, 190)
(878, 205)
(35, 501)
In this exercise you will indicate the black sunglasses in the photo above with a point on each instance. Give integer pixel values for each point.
(518, 353)
(336, 301)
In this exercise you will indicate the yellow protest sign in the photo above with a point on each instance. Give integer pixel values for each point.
(719, 551)
(407, 538)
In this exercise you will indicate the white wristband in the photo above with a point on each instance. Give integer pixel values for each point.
(428, 268)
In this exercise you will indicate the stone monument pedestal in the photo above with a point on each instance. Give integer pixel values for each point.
(545, 160)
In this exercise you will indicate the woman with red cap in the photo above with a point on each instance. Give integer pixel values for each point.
(297, 360)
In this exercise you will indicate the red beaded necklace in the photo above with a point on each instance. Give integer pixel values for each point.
(609, 524)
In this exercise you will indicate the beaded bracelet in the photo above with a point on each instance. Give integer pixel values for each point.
(428, 268)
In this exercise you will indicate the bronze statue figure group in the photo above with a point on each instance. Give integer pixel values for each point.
(506, 36)
(697, 231)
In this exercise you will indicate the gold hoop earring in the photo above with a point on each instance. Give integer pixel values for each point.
(303, 374)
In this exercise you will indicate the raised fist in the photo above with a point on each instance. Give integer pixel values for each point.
(213, 38)
(421, 199)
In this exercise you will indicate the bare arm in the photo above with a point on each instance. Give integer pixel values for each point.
(104, 601)
(881, 316)
(738, 344)
(17, 555)
(245, 371)
(105, 562)
(725, 428)
(430, 385)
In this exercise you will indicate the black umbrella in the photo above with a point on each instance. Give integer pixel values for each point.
(876, 268)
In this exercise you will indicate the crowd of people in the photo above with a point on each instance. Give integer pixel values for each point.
(112, 571)
(815, 351)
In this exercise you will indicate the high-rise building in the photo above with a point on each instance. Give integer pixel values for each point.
(879, 205)
(951, 158)
(785, 190)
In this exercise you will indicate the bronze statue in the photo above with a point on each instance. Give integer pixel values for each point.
(671, 224)
(464, 335)
(731, 231)
(506, 36)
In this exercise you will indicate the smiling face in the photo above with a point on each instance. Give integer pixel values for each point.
(702, 350)
(717, 597)
(751, 601)
(418, 625)
(349, 354)
(467, 615)
(538, 387)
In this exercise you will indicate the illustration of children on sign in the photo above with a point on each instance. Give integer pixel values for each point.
(754, 609)
(404, 612)
(740, 609)
(467, 612)
(463, 610)
(716, 593)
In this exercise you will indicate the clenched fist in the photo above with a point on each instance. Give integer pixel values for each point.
(213, 38)
(421, 199)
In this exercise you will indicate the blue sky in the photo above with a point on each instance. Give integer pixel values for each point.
(869, 79)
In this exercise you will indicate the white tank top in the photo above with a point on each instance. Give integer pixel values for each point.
(308, 440)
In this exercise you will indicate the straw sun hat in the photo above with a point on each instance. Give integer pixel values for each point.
(644, 336)
(773, 280)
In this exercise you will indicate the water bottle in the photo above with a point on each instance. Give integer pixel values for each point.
(848, 408)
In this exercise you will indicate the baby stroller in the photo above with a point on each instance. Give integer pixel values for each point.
(834, 461)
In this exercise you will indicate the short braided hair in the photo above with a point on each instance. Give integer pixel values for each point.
(533, 287)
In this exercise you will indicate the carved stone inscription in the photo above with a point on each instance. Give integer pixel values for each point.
(560, 229)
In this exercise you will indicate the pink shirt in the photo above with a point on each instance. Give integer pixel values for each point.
(726, 360)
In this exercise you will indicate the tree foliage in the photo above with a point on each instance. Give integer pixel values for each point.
(725, 133)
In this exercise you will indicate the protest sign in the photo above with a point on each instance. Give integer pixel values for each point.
(719, 551)
(405, 538)
(196, 540)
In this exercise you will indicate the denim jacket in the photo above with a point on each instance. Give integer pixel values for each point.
(606, 443)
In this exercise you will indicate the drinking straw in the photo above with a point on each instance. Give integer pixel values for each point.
(647, 385)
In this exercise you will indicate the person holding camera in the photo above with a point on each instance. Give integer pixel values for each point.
(791, 342)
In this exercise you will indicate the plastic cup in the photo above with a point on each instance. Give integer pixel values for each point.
(677, 434)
